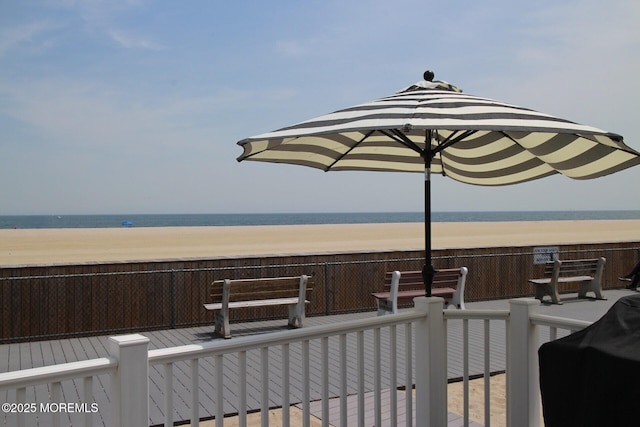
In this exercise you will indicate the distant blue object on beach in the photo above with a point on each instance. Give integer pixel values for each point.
(127, 224)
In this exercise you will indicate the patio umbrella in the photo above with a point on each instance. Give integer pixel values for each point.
(431, 126)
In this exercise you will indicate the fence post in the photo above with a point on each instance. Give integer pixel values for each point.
(130, 383)
(431, 364)
(523, 392)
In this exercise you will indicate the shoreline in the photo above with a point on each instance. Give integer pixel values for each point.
(19, 247)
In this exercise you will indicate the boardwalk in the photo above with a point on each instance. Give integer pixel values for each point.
(42, 353)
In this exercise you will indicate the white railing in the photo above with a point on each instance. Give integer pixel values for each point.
(485, 316)
(241, 346)
(312, 354)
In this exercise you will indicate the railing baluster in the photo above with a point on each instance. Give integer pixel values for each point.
(408, 380)
(195, 392)
(507, 347)
(465, 370)
(286, 378)
(56, 397)
(219, 390)
(377, 373)
(393, 375)
(87, 396)
(360, 338)
(343, 379)
(264, 404)
(21, 397)
(242, 388)
(487, 374)
(325, 380)
(168, 394)
(306, 384)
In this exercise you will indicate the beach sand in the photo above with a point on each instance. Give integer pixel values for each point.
(498, 395)
(80, 245)
(455, 397)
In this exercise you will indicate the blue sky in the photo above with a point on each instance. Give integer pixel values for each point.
(136, 106)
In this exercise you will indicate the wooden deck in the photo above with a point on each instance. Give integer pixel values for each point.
(34, 354)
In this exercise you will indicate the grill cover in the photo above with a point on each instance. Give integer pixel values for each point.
(592, 377)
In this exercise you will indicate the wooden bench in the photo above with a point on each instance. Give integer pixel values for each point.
(242, 293)
(403, 286)
(586, 272)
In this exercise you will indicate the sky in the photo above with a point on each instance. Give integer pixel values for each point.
(134, 106)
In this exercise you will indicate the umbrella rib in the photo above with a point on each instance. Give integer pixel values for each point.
(340, 157)
(448, 142)
(403, 139)
(453, 139)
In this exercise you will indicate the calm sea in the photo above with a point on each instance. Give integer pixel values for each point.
(188, 220)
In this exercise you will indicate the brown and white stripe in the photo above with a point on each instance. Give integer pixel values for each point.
(473, 139)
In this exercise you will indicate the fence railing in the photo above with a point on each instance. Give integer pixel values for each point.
(307, 355)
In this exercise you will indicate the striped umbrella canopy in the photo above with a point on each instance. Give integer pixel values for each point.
(432, 126)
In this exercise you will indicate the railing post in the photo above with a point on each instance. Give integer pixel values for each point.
(431, 364)
(523, 392)
(130, 383)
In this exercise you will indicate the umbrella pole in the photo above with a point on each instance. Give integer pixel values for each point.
(427, 270)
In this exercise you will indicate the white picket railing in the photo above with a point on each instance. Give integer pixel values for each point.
(130, 361)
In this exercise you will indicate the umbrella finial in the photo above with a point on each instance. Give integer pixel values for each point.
(428, 75)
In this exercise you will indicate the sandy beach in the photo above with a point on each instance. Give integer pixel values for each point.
(79, 245)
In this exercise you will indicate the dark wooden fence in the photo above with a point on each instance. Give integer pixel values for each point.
(45, 302)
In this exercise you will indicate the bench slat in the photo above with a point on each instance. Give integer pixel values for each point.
(261, 294)
(256, 303)
(411, 294)
(562, 279)
(269, 281)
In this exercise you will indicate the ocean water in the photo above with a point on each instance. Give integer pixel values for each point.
(188, 220)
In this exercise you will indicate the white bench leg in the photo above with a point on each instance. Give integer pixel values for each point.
(545, 289)
(590, 286)
(555, 296)
(457, 301)
(296, 315)
(385, 307)
(222, 325)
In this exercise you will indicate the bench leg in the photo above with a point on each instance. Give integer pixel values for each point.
(545, 289)
(590, 287)
(222, 325)
(541, 292)
(555, 297)
(384, 307)
(459, 306)
(296, 315)
(457, 301)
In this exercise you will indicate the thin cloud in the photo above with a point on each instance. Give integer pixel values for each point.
(129, 41)
(15, 37)
(291, 48)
